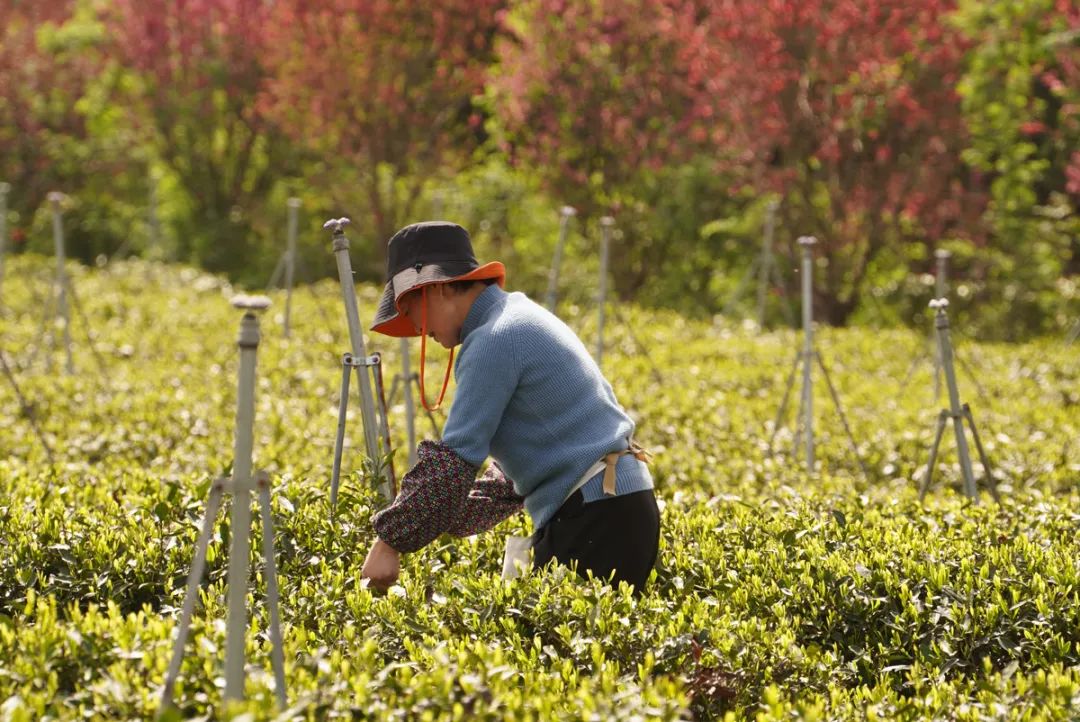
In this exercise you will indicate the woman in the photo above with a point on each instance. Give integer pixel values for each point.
(530, 397)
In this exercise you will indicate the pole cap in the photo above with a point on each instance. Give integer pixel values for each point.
(568, 211)
(607, 221)
(942, 253)
(293, 202)
(56, 197)
(250, 303)
(337, 225)
(807, 240)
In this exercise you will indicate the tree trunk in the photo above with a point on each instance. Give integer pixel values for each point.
(836, 312)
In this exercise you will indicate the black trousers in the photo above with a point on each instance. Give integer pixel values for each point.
(614, 537)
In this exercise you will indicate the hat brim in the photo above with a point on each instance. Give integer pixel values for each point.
(390, 321)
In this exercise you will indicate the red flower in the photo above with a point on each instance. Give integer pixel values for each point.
(1032, 127)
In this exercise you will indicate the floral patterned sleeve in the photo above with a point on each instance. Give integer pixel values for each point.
(441, 494)
(490, 500)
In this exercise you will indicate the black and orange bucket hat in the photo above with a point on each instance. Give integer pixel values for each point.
(422, 255)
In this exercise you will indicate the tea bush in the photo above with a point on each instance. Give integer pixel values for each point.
(778, 595)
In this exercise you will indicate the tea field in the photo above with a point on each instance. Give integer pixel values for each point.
(779, 595)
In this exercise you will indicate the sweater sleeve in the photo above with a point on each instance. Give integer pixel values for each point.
(432, 494)
(490, 500)
(441, 494)
(487, 375)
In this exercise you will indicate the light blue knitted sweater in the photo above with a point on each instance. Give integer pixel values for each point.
(530, 396)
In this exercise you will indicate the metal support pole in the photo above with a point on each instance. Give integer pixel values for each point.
(153, 224)
(45, 335)
(800, 417)
(290, 262)
(55, 199)
(565, 214)
(192, 593)
(279, 269)
(955, 408)
(242, 486)
(942, 422)
(1073, 334)
(956, 411)
(765, 266)
(941, 288)
(356, 335)
(941, 282)
(410, 408)
(787, 397)
(386, 480)
(807, 243)
(388, 486)
(990, 481)
(277, 644)
(641, 347)
(77, 306)
(27, 409)
(840, 412)
(339, 442)
(743, 283)
(606, 223)
(4, 190)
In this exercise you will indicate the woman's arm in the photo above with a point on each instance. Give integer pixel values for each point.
(431, 494)
(490, 500)
(441, 494)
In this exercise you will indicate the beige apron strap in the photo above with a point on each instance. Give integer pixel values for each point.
(612, 459)
(639, 452)
(609, 472)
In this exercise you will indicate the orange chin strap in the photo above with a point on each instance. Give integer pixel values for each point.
(423, 356)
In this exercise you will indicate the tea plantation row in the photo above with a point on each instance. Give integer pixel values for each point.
(778, 595)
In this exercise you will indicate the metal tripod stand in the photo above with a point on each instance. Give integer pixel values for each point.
(551, 298)
(287, 263)
(361, 365)
(240, 485)
(360, 360)
(959, 413)
(606, 225)
(153, 226)
(766, 269)
(26, 408)
(61, 285)
(941, 289)
(62, 291)
(405, 380)
(806, 358)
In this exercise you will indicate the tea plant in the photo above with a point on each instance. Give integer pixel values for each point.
(778, 594)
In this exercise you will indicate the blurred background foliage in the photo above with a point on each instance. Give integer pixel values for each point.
(887, 128)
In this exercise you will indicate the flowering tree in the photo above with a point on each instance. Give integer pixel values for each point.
(199, 66)
(594, 94)
(1021, 91)
(40, 83)
(848, 110)
(597, 98)
(383, 91)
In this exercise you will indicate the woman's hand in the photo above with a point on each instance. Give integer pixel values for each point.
(382, 565)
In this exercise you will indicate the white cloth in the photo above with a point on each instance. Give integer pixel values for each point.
(516, 557)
